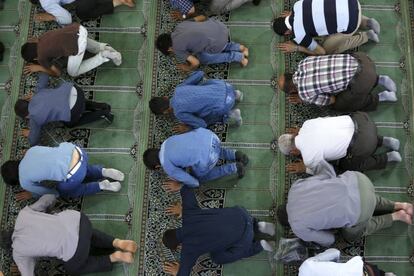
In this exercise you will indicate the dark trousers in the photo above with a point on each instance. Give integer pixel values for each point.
(85, 111)
(358, 96)
(91, 9)
(361, 152)
(82, 262)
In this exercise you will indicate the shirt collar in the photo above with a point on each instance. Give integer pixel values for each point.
(287, 22)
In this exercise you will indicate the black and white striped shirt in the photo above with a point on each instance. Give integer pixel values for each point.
(311, 18)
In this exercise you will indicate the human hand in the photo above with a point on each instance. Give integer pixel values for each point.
(294, 99)
(184, 67)
(171, 268)
(172, 186)
(296, 167)
(22, 196)
(176, 15)
(286, 13)
(180, 128)
(287, 47)
(29, 96)
(32, 68)
(292, 130)
(175, 210)
(25, 132)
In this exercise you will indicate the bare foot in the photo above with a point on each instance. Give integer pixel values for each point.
(407, 207)
(401, 215)
(128, 3)
(244, 62)
(126, 245)
(123, 257)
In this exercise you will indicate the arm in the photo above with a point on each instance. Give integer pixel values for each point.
(59, 14)
(43, 203)
(181, 175)
(318, 51)
(322, 237)
(320, 100)
(186, 264)
(26, 265)
(290, 47)
(189, 201)
(193, 79)
(42, 81)
(38, 190)
(34, 68)
(34, 133)
(44, 17)
(331, 254)
(192, 63)
(191, 120)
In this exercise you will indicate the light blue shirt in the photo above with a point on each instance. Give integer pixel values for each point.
(45, 164)
(54, 7)
(189, 150)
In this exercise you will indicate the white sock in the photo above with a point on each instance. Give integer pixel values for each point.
(113, 174)
(391, 143)
(266, 246)
(387, 96)
(387, 82)
(394, 156)
(267, 228)
(372, 36)
(106, 185)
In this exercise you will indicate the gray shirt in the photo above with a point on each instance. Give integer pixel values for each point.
(37, 234)
(191, 38)
(322, 202)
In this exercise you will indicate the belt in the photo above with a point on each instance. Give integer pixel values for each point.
(78, 164)
(354, 137)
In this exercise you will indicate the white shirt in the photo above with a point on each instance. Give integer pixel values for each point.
(324, 264)
(54, 7)
(324, 138)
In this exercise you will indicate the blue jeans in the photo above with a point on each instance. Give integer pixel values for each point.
(83, 182)
(230, 53)
(213, 171)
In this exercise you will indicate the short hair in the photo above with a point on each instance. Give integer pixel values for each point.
(164, 42)
(169, 239)
(35, 2)
(279, 26)
(29, 51)
(159, 105)
(10, 172)
(286, 143)
(289, 86)
(282, 215)
(6, 239)
(151, 158)
(21, 108)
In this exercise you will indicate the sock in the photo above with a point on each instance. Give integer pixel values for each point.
(113, 174)
(372, 36)
(266, 246)
(391, 143)
(387, 82)
(116, 57)
(374, 25)
(387, 96)
(106, 185)
(235, 117)
(267, 228)
(239, 95)
(394, 156)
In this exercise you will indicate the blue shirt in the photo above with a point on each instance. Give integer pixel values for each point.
(227, 234)
(201, 104)
(183, 6)
(48, 105)
(45, 164)
(189, 150)
(54, 7)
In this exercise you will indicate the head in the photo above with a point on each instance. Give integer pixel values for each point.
(286, 143)
(372, 270)
(21, 108)
(10, 172)
(282, 216)
(29, 51)
(164, 44)
(285, 83)
(6, 239)
(169, 239)
(280, 27)
(35, 2)
(160, 105)
(151, 159)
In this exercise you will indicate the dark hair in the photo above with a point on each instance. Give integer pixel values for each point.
(10, 172)
(29, 51)
(282, 215)
(164, 42)
(6, 239)
(159, 105)
(279, 26)
(169, 239)
(289, 86)
(35, 2)
(21, 108)
(151, 158)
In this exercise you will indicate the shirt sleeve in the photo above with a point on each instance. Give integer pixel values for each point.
(181, 175)
(26, 265)
(193, 79)
(189, 201)
(35, 131)
(43, 203)
(42, 81)
(62, 16)
(191, 120)
(321, 99)
(312, 46)
(187, 262)
(38, 190)
(322, 237)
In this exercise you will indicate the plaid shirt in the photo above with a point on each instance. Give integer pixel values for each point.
(184, 6)
(319, 77)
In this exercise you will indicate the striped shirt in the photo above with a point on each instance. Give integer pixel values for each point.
(319, 77)
(312, 18)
